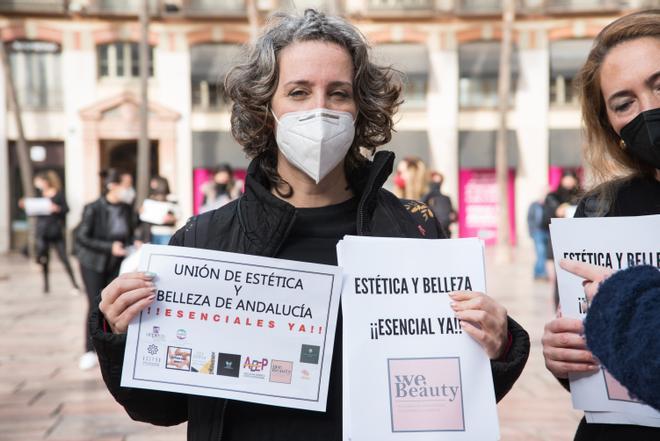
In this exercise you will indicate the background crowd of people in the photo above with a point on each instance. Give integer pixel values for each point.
(112, 227)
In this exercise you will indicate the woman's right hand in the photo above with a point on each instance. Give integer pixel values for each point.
(125, 297)
(118, 249)
(565, 349)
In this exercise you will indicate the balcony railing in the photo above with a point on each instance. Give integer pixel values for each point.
(574, 6)
(400, 5)
(179, 8)
(114, 7)
(34, 6)
(479, 7)
(196, 8)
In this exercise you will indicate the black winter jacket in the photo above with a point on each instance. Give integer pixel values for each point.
(258, 223)
(50, 227)
(93, 245)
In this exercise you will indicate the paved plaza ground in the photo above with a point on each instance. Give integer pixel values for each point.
(44, 396)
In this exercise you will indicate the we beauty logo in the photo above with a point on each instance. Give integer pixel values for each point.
(426, 394)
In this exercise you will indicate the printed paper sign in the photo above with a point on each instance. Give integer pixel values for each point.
(37, 206)
(409, 371)
(616, 243)
(154, 212)
(235, 326)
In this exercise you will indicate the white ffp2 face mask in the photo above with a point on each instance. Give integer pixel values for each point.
(315, 141)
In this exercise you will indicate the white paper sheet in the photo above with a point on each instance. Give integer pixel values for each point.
(131, 262)
(235, 326)
(620, 418)
(154, 212)
(616, 242)
(430, 381)
(37, 206)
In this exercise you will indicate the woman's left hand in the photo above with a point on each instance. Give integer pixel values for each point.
(593, 275)
(483, 319)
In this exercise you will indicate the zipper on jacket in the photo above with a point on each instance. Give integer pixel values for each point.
(222, 419)
(286, 234)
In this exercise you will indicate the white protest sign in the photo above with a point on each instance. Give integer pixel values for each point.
(620, 418)
(37, 206)
(235, 326)
(409, 371)
(617, 243)
(154, 212)
(131, 262)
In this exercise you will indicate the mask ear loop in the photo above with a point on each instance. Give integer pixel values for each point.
(273, 113)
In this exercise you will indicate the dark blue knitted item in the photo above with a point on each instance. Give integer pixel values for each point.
(623, 330)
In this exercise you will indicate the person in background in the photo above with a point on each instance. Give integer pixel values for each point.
(559, 203)
(101, 238)
(620, 99)
(410, 179)
(160, 233)
(49, 231)
(440, 203)
(222, 189)
(535, 226)
(563, 201)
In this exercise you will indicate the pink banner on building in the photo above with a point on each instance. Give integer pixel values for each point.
(478, 205)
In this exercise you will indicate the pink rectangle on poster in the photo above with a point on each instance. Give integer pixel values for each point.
(426, 394)
(615, 390)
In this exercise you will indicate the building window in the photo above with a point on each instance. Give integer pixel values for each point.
(566, 59)
(121, 59)
(480, 6)
(35, 67)
(209, 65)
(479, 64)
(400, 5)
(413, 61)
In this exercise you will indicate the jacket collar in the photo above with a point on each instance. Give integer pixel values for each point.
(266, 220)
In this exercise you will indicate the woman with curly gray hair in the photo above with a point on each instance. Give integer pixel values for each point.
(307, 100)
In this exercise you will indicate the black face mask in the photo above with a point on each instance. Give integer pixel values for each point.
(221, 189)
(642, 137)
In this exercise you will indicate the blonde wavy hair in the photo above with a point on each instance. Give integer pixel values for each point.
(609, 164)
(416, 180)
(51, 178)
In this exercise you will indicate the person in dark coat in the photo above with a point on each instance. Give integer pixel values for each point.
(106, 229)
(621, 111)
(159, 233)
(539, 235)
(49, 229)
(305, 101)
(440, 203)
